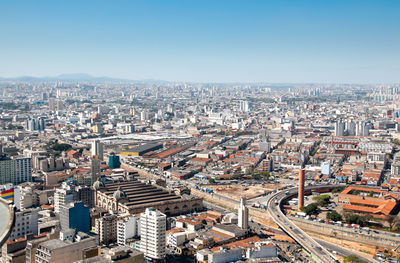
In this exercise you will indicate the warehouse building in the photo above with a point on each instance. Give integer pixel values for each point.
(142, 149)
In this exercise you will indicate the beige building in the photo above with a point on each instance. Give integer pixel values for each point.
(135, 196)
(60, 251)
(106, 228)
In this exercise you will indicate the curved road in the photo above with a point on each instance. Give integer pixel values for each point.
(308, 243)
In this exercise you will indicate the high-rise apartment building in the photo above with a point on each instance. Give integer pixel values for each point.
(63, 196)
(97, 149)
(339, 128)
(15, 171)
(106, 228)
(128, 227)
(95, 168)
(152, 234)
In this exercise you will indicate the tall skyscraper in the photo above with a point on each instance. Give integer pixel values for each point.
(339, 128)
(301, 187)
(243, 221)
(152, 231)
(244, 106)
(97, 149)
(95, 168)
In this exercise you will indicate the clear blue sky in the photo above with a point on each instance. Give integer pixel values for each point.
(272, 41)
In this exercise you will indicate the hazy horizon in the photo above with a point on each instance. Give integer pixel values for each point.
(208, 41)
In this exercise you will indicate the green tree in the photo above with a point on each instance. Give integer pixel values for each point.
(334, 216)
(257, 177)
(370, 194)
(265, 174)
(310, 209)
(211, 181)
(322, 200)
(356, 219)
(352, 259)
(60, 147)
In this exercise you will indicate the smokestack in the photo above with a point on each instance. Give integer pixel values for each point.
(301, 187)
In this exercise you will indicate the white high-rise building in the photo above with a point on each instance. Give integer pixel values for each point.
(63, 196)
(127, 227)
(97, 149)
(152, 234)
(244, 106)
(243, 217)
(339, 128)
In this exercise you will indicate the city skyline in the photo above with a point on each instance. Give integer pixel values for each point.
(269, 42)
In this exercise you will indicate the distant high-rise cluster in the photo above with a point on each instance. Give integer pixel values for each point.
(56, 105)
(38, 124)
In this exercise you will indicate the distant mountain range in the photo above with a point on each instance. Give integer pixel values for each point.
(77, 77)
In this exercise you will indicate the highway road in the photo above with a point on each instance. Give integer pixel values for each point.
(319, 252)
(308, 242)
(342, 251)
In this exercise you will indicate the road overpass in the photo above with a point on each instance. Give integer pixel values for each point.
(318, 252)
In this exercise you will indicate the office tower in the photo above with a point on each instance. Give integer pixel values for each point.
(106, 228)
(76, 216)
(97, 149)
(301, 187)
(113, 162)
(339, 128)
(95, 168)
(152, 234)
(26, 222)
(128, 227)
(243, 220)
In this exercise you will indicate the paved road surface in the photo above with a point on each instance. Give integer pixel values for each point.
(318, 251)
